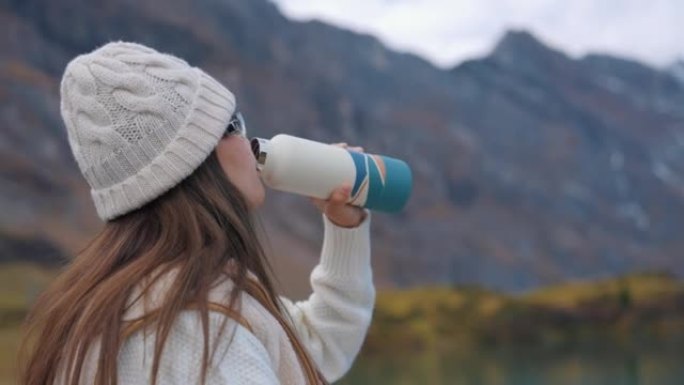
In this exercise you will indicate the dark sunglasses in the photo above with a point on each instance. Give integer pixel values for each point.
(236, 126)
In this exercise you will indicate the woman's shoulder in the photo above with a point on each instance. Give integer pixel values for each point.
(246, 316)
(260, 319)
(247, 309)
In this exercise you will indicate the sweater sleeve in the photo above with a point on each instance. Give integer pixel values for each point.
(332, 323)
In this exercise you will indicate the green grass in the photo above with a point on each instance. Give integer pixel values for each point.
(9, 345)
(638, 289)
(20, 284)
(626, 311)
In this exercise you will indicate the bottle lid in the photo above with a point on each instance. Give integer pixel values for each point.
(260, 151)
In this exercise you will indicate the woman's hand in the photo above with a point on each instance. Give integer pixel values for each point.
(335, 207)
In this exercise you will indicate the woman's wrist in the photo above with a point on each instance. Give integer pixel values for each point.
(348, 221)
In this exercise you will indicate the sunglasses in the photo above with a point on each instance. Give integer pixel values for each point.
(236, 126)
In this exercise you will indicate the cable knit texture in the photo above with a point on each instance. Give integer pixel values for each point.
(331, 324)
(139, 121)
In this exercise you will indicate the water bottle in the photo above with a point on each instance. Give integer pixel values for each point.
(306, 167)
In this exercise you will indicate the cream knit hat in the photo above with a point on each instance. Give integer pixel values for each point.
(139, 121)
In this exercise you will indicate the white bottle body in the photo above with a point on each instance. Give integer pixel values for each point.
(306, 167)
(301, 166)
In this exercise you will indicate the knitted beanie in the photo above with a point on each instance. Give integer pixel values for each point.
(138, 122)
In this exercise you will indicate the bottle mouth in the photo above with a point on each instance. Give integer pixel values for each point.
(260, 151)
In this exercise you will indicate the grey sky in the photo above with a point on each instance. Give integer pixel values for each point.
(447, 32)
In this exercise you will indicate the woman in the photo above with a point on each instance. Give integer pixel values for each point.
(175, 289)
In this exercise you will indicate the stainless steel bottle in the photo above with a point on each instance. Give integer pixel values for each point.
(306, 167)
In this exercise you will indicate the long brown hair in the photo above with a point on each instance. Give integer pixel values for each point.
(197, 227)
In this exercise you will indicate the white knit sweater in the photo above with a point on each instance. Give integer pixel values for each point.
(332, 324)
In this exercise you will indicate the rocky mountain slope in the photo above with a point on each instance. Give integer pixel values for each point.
(530, 167)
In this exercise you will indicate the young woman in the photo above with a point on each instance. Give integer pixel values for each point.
(175, 289)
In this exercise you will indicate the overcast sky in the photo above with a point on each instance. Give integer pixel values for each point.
(447, 32)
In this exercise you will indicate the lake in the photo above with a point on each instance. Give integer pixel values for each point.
(523, 367)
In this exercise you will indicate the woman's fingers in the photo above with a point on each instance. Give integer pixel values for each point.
(346, 146)
(338, 197)
(340, 194)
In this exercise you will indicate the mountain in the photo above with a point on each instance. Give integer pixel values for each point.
(530, 167)
(676, 69)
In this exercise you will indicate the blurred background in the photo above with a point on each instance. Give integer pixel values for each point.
(543, 240)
